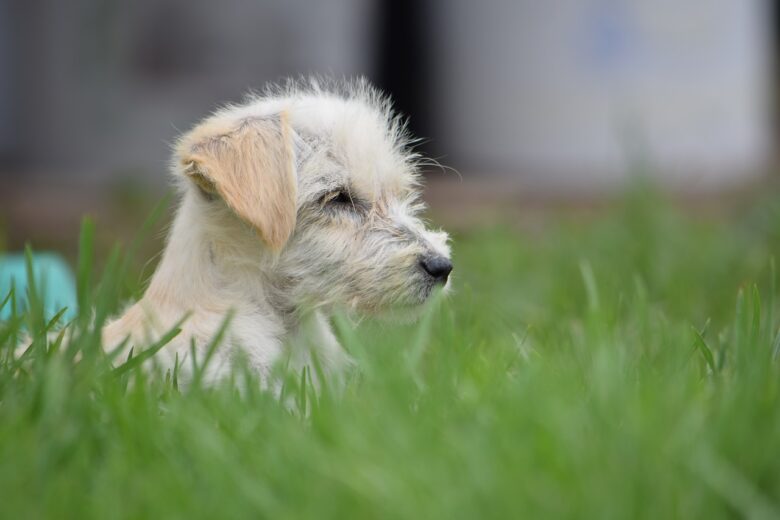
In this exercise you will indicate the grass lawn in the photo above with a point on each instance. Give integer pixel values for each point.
(613, 367)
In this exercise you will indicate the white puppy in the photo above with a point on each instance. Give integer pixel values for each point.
(297, 203)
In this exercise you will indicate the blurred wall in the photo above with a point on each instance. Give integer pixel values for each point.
(561, 93)
(100, 89)
(576, 93)
(7, 94)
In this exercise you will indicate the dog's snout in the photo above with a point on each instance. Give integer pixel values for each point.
(439, 267)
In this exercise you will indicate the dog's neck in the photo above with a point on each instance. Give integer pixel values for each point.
(216, 264)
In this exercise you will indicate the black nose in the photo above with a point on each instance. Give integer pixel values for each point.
(437, 266)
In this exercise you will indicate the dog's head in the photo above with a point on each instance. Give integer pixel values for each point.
(331, 188)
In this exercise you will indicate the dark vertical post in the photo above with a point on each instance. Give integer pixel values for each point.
(403, 59)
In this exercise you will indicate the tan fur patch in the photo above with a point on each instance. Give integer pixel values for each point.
(250, 165)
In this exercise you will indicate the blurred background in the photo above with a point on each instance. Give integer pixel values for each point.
(535, 104)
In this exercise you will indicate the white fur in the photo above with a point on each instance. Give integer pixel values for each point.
(362, 258)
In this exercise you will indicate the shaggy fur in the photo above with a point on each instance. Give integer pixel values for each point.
(297, 203)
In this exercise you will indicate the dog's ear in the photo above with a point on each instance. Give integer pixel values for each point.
(249, 164)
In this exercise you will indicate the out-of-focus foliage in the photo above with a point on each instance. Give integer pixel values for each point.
(624, 366)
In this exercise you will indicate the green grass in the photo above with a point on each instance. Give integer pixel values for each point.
(617, 367)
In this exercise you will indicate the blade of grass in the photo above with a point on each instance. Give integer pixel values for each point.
(211, 349)
(591, 288)
(151, 350)
(700, 344)
(84, 268)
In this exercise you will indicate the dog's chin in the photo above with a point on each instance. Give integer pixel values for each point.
(406, 314)
(411, 308)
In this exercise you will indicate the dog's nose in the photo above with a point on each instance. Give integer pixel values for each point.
(437, 266)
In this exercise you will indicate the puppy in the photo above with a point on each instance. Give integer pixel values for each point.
(298, 203)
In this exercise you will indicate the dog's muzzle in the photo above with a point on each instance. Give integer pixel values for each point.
(437, 267)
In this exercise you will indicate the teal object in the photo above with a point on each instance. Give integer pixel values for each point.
(53, 278)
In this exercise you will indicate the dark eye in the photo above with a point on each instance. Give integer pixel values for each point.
(341, 197)
(338, 198)
(342, 201)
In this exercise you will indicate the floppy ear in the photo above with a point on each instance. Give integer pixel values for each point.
(249, 164)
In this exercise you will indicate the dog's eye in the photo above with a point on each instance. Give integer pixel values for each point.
(338, 198)
(341, 197)
(341, 202)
